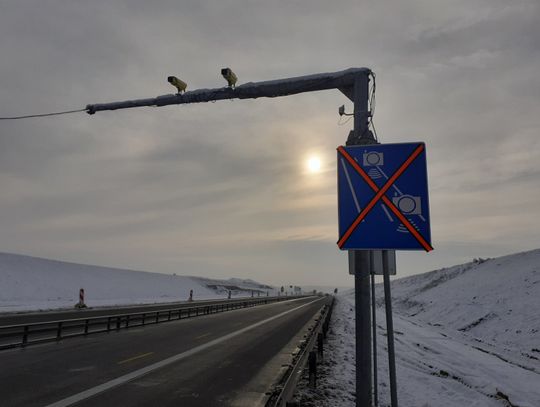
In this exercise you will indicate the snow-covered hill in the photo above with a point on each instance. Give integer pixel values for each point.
(30, 283)
(494, 300)
(466, 335)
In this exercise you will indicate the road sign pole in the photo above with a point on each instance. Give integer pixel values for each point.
(390, 331)
(374, 338)
(363, 328)
(362, 265)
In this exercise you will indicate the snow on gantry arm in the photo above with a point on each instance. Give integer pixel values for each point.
(342, 80)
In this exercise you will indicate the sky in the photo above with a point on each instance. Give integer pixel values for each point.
(223, 189)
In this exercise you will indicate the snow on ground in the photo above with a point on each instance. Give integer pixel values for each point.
(465, 336)
(30, 283)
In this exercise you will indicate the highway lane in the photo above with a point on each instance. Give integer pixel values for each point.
(232, 352)
(44, 316)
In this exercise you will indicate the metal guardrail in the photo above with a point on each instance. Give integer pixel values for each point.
(20, 335)
(285, 390)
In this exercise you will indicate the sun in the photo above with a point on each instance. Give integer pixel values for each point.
(314, 164)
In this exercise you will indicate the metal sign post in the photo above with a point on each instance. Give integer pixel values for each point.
(362, 261)
(374, 337)
(390, 331)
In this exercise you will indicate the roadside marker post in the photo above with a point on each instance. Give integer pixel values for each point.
(81, 303)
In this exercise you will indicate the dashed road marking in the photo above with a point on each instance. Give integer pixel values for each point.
(135, 358)
(204, 335)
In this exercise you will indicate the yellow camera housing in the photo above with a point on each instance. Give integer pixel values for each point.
(177, 83)
(229, 76)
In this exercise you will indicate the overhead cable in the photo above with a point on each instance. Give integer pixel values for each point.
(42, 114)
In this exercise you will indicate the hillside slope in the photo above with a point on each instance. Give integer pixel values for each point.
(466, 335)
(31, 283)
(494, 300)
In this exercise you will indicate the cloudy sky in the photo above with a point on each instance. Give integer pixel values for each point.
(221, 189)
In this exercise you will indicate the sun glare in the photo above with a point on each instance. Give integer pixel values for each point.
(314, 164)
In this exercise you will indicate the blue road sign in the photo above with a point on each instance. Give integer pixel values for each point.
(383, 197)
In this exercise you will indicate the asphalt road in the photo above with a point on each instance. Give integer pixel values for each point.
(44, 316)
(225, 359)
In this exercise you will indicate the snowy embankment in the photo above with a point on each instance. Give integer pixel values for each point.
(30, 283)
(466, 335)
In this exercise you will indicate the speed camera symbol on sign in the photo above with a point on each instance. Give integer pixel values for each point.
(408, 204)
(372, 159)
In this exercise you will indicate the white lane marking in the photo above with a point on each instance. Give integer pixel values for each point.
(150, 368)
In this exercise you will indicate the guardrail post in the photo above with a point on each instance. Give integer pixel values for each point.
(312, 361)
(118, 321)
(108, 324)
(59, 331)
(320, 344)
(143, 318)
(169, 317)
(86, 322)
(127, 321)
(157, 317)
(25, 335)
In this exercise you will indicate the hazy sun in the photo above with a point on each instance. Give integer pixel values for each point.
(314, 164)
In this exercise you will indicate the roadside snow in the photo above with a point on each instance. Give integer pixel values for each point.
(30, 283)
(464, 336)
